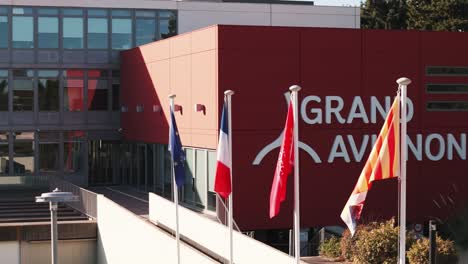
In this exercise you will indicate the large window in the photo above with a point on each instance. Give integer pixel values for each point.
(121, 29)
(48, 88)
(97, 33)
(97, 90)
(23, 28)
(3, 90)
(167, 24)
(3, 29)
(145, 27)
(49, 161)
(72, 32)
(23, 90)
(73, 90)
(4, 156)
(48, 32)
(23, 159)
(73, 151)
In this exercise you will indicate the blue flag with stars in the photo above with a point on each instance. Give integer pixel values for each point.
(177, 153)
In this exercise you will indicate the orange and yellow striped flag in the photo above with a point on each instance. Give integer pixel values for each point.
(383, 163)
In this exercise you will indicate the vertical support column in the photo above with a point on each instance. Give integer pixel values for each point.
(432, 241)
(53, 232)
(297, 218)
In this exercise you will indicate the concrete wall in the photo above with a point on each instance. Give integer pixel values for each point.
(126, 238)
(213, 235)
(9, 252)
(195, 15)
(79, 251)
(69, 251)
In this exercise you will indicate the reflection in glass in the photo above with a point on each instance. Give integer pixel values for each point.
(3, 95)
(3, 32)
(48, 157)
(23, 95)
(73, 154)
(4, 158)
(97, 33)
(97, 94)
(121, 33)
(47, 11)
(73, 95)
(97, 12)
(145, 31)
(73, 33)
(23, 29)
(48, 32)
(73, 12)
(23, 157)
(167, 28)
(48, 94)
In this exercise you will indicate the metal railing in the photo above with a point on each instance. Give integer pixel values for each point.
(222, 210)
(87, 200)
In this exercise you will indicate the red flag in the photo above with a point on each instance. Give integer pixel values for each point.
(283, 166)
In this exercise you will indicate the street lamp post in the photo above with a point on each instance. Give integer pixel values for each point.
(53, 198)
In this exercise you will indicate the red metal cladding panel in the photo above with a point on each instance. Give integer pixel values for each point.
(348, 80)
(348, 77)
(185, 66)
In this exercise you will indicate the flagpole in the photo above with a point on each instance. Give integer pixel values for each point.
(403, 83)
(228, 95)
(297, 227)
(175, 190)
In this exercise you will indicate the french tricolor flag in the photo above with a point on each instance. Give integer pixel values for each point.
(223, 165)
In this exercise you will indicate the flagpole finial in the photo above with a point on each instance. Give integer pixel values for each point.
(295, 88)
(172, 96)
(228, 92)
(403, 81)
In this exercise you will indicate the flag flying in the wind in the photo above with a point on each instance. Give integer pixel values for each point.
(177, 153)
(223, 165)
(383, 163)
(284, 165)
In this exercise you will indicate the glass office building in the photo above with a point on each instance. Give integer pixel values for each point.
(59, 93)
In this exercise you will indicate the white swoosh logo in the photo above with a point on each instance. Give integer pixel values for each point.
(277, 143)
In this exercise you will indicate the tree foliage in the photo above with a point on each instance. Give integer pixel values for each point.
(437, 15)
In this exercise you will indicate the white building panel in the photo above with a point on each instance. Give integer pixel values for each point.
(308, 20)
(190, 20)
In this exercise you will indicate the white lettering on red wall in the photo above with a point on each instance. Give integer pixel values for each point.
(332, 109)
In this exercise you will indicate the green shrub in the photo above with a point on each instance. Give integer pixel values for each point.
(347, 245)
(330, 248)
(378, 245)
(419, 252)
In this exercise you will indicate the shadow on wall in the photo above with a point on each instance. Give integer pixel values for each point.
(144, 115)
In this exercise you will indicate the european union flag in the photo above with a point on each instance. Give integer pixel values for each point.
(177, 153)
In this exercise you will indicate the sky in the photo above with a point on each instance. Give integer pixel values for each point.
(337, 2)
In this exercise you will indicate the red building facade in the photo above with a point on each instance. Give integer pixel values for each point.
(348, 80)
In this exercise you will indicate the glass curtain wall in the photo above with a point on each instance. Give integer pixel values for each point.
(48, 89)
(4, 153)
(48, 28)
(73, 152)
(49, 153)
(98, 29)
(23, 90)
(73, 90)
(98, 90)
(72, 28)
(3, 90)
(4, 27)
(23, 28)
(121, 29)
(23, 153)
